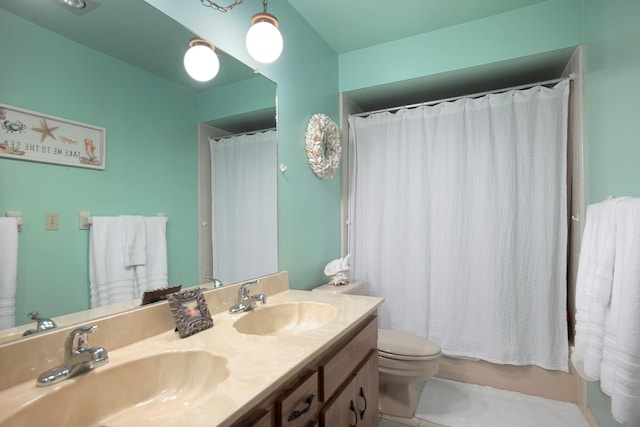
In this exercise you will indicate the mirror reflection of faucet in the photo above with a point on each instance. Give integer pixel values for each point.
(245, 301)
(43, 324)
(216, 283)
(77, 358)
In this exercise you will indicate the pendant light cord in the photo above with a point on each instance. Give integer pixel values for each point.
(216, 6)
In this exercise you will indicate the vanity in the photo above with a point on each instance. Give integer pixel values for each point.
(302, 359)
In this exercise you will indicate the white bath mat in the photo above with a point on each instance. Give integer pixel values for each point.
(456, 404)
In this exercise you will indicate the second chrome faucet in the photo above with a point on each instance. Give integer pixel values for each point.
(246, 301)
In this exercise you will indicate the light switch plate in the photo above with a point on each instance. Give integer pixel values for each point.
(51, 221)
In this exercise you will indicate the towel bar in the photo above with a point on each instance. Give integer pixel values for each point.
(17, 215)
(85, 220)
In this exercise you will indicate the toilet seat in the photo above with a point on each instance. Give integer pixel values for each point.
(402, 346)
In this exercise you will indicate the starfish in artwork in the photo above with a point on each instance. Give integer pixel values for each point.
(45, 130)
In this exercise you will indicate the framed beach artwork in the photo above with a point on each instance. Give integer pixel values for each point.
(27, 135)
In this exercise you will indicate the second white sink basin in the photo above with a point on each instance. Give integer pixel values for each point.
(285, 318)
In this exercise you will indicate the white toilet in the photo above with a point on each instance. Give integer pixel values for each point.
(405, 362)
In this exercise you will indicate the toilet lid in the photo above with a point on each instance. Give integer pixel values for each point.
(403, 344)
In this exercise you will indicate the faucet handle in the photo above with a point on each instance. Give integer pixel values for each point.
(244, 288)
(81, 333)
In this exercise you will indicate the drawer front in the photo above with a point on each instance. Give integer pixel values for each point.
(300, 406)
(334, 371)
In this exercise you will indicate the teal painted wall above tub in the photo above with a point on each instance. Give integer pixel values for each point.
(543, 27)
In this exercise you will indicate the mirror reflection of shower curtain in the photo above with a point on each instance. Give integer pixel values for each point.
(244, 224)
(458, 217)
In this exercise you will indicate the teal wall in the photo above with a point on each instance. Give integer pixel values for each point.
(151, 159)
(543, 27)
(612, 120)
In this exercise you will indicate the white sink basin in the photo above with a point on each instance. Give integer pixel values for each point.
(285, 318)
(143, 392)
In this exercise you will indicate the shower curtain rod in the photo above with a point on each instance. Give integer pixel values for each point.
(253, 132)
(455, 98)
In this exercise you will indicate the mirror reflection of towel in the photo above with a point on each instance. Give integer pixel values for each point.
(133, 240)
(110, 280)
(8, 270)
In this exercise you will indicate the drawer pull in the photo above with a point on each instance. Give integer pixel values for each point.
(365, 402)
(298, 413)
(355, 414)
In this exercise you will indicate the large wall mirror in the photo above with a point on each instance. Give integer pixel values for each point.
(117, 64)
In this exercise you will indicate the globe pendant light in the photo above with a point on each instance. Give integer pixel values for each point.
(264, 41)
(201, 61)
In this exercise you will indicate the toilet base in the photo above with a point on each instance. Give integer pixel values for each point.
(399, 399)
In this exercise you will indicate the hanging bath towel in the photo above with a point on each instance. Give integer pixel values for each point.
(8, 270)
(110, 280)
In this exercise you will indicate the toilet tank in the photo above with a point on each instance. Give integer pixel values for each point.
(356, 287)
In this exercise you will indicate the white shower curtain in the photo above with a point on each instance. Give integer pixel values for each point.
(458, 217)
(244, 185)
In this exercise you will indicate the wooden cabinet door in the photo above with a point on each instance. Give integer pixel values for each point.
(366, 391)
(341, 410)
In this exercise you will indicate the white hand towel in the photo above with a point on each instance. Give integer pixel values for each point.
(599, 286)
(154, 273)
(133, 240)
(625, 399)
(584, 281)
(612, 325)
(594, 286)
(8, 270)
(607, 315)
(109, 280)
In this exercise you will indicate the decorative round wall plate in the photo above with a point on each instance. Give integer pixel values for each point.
(323, 145)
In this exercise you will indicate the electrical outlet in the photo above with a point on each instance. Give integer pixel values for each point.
(51, 221)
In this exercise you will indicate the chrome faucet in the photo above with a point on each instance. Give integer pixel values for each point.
(77, 359)
(245, 301)
(43, 324)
